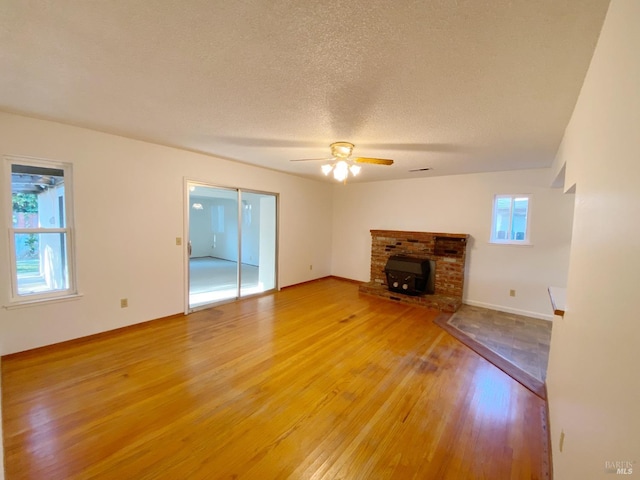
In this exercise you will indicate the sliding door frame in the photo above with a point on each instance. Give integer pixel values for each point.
(186, 239)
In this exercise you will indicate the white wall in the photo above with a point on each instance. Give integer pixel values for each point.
(201, 233)
(206, 241)
(129, 199)
(593, 387)
(251, 231)
(463, 204)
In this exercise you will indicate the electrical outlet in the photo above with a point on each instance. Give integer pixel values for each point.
(178, 241)
(512, 293)
(561, 440)
(124, 303)
(310, 267)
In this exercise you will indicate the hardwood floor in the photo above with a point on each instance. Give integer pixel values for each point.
(313, 382)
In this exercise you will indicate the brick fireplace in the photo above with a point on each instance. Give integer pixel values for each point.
(446, 253)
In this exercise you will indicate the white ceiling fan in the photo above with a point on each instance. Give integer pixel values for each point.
(341, 162)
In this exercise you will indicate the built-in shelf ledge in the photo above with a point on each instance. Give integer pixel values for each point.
(558, 296)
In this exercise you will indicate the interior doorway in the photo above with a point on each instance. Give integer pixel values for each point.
(231, 243)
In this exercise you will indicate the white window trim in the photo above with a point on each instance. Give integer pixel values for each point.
(526, 242)
(16, 300)
(41, 301)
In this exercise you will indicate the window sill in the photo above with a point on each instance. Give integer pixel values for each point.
(512, 244)
(42, 301)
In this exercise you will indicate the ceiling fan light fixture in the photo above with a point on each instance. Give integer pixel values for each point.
(341, 171)
(341, 149)
(341, 163)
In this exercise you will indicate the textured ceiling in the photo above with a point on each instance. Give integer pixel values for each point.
(455, 85)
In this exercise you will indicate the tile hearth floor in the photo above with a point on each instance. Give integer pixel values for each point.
(522, 341)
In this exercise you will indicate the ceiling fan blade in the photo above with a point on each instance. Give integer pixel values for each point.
(376, 161)
(312, 159)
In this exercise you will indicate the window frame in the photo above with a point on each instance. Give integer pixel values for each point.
(15, 298)
(508, 241)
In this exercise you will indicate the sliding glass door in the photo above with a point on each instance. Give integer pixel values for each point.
(231, 243)
(258, 242)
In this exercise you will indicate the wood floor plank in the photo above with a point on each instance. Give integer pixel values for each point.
(314, 382)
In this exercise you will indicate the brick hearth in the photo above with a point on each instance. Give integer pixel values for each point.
(446, 250)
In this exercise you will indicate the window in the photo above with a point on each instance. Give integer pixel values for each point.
(40, 230)
(510, 223)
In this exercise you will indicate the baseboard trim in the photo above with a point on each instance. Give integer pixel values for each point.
(344, 279)
(90, 337)
(304, 283)
(1, 434)
(502, 308)
(548, 453)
